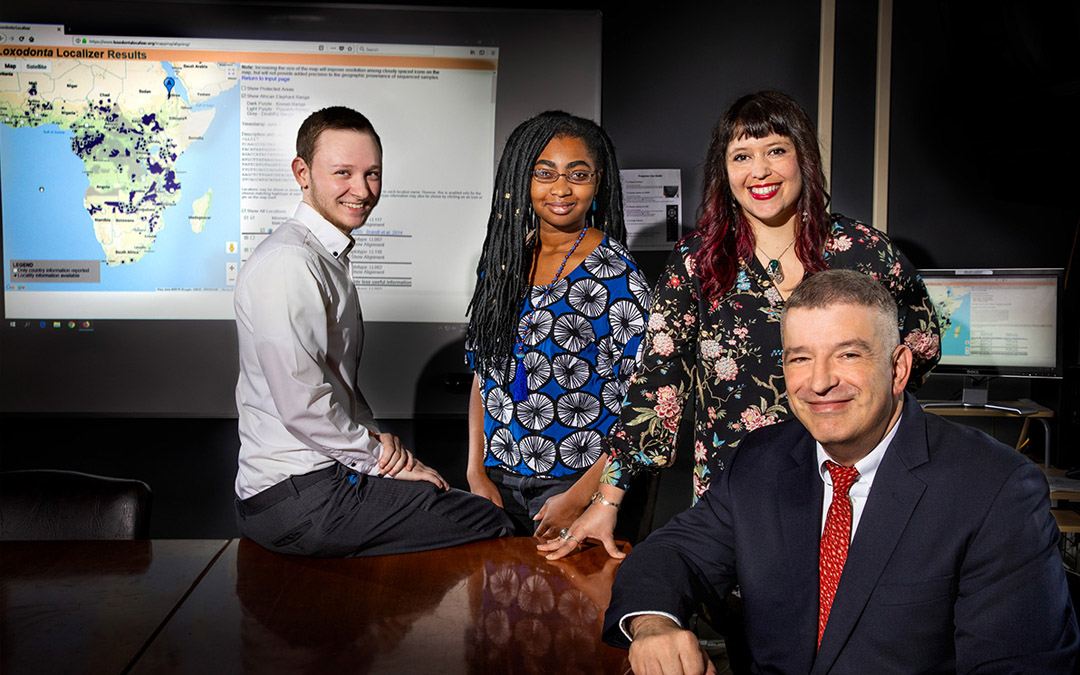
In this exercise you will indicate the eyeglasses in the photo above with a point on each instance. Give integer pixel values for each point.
(576, 176)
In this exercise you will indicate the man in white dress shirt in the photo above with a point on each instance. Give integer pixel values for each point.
(940, 558)
(316, 476)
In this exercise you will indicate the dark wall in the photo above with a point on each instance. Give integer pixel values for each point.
(667, 81)
(978, 178)
(984, 106)
(985, 101)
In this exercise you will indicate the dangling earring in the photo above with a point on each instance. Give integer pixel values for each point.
(805, 217)
(532, 236)
(736, 210)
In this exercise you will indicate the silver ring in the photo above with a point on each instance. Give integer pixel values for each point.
(564, 534)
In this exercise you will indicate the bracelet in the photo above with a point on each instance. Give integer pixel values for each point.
(598, 498)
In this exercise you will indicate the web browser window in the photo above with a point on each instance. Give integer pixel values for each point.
(138, 174)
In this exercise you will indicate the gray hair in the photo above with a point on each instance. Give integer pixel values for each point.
(848, 287)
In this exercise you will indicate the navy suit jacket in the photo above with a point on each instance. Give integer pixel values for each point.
(954, 566)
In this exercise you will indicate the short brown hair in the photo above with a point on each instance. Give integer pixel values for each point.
(335, 117)
(848, 287)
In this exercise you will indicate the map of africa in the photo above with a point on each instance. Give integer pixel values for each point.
(132, 165)
(953, 306)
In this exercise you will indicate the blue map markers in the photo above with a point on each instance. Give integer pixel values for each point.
(169, 82)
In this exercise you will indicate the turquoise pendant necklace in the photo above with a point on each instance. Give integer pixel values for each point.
(773, 268)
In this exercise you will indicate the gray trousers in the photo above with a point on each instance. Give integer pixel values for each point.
(337, 513)
(524, 496)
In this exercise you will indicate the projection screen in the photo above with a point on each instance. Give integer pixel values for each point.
(145, 150)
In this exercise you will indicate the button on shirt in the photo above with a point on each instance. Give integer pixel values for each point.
(300, 333)
(860, 490)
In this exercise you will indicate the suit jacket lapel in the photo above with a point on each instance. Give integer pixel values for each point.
(893, 497)
(799, 498)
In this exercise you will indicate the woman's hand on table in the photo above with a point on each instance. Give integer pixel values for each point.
(561, 511)
(597, 523)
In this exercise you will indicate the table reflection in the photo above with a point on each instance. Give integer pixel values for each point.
(489, 607)
(534, 616)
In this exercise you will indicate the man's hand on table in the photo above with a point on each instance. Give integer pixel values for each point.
(661, 647)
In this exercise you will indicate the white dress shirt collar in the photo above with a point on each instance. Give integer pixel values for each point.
(336, 242)
(867, 466)
(860, 490)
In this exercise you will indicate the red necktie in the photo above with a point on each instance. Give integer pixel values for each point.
(834, 540)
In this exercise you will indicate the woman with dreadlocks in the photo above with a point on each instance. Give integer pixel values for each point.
(713, 340)
(556, 318)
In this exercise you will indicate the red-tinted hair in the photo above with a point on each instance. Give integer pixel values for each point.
(726, 235)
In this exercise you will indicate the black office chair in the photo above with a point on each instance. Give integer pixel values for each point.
(47, 504)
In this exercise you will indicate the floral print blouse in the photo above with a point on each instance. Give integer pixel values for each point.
(726, 354)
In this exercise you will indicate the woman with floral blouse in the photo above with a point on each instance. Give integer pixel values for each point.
(713, 335)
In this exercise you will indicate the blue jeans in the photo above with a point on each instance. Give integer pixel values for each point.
(523, 496)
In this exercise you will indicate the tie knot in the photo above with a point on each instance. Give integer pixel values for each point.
(843, 477)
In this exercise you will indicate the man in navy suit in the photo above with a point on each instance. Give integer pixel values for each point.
(951, 564)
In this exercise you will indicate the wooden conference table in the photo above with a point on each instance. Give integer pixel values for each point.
(179, 606)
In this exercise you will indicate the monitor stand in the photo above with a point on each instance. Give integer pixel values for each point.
(975, 395)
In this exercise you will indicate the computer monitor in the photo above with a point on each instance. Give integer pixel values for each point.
(997, 323)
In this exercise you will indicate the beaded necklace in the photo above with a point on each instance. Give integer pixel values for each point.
(519, 386)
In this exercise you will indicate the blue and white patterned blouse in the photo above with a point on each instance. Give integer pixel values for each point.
(581, 344)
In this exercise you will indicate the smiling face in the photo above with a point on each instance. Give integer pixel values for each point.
(764, 176)
(845, 382)
(344, 178)
(562, 204)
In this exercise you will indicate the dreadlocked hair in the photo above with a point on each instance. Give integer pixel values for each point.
(502, 276)
(726, 236)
